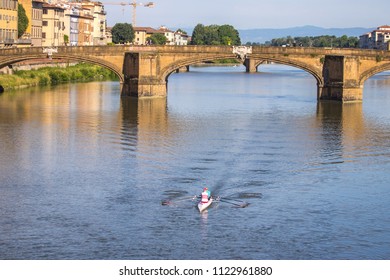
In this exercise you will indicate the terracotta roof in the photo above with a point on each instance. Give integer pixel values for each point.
(146, 29)
(51, 6)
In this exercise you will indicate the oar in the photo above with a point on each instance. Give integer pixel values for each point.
(242, 205)
(233, 199)
(170, 202)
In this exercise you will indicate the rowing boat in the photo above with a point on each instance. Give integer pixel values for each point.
(203, 206)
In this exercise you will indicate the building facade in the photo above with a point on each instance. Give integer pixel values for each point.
(86, 22)
(169, 34)
(8, 23)
(142, 35)
(53, 25)
(377, 39)
(99, 25)
(72, 15)
(181, 38)
(36, 23)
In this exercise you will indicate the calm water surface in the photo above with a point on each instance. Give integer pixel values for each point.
(83, 172)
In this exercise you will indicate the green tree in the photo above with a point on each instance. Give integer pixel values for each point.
(122, 33)
(22, 20)
(211, 35)
(318, 41)
(66, 39)
(215, 35)
(158, 39)
(198, 35)
(229, 35)
(181, 31)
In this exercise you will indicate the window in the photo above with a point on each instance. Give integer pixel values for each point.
(44, 23)
(43, 35)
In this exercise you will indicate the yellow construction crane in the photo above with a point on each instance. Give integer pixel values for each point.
(134, 4)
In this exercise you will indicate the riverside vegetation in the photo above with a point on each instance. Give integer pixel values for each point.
(82, 72)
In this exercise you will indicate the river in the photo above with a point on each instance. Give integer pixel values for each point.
(83, 172)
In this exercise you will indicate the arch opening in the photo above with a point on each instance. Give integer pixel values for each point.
(372, 72)
(307, 68)
(11, 60)
(166, 72)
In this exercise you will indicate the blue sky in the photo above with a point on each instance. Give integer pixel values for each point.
(248, 14)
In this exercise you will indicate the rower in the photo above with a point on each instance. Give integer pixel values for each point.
(205, 195)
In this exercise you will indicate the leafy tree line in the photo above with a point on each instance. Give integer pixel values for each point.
(316, 41)
(215, 35)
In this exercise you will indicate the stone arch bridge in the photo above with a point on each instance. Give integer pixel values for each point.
(144, 70)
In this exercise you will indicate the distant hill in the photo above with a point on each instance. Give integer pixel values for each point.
(267, 34)
(261, 35)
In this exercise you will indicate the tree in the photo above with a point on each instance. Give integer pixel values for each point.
(66, 39)
(22, 20)
(318, 41)
(215, 35)
(181, 31)
(211, 35)
(229, 35)
(122, 33)
(198, 35)
(158, 39)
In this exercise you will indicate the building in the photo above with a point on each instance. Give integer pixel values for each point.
(33, 34)
(141, 35)
(181, 38)
(53, 25)
(83, 23)
(72, 15)
(173, 38)
(377, 39)
(168, 33)
(99, 25)
(8, 23)
(86, 22)
(25, 39)
(108, 35)
(36, 23)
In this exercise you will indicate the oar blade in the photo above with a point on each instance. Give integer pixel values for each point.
(166, 202)
(244, 205)
(177, 200)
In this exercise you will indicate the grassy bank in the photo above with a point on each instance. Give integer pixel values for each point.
(82, 72)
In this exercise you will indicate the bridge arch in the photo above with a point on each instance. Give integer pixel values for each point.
(373, 71)
(104, 63)
(171, 68)
(314, 71)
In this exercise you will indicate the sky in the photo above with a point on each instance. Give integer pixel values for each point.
(251, 14)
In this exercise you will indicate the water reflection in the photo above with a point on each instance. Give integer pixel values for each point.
(149, 115)
(343, 127)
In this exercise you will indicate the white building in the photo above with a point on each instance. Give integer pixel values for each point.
(377, 39)
(169, 34)
(181, 39)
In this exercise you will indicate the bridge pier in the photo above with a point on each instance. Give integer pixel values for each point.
(341, 79)
(140, 76)
(183, 69)
(250, 65)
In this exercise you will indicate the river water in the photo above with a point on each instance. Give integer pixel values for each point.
(83, 173)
